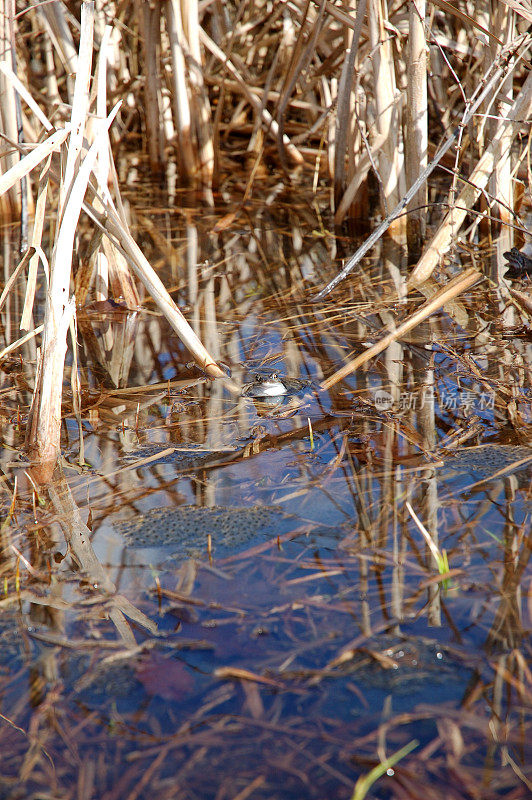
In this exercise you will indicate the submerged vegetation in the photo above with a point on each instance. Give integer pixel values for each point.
(215, 592)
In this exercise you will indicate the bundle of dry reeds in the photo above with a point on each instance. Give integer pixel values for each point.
(362, 85)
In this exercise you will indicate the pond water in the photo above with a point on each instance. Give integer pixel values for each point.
(246, 606)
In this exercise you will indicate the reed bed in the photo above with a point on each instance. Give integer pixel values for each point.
(371, 88)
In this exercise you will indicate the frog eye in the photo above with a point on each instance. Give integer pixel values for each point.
(273, 376)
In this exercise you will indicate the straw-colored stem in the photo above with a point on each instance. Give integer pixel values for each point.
(45, 426)
(416, 144)
(145, 272)
(10, 203)
(344, 103)
(150, 44)
(387, 106)
(187, 160)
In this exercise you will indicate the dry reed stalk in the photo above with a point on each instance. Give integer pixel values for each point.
(53, 16)
(27, 97)
(188, 164)
(14, 275)
(201, 110)
(52, 87)
(344, 112)
(449, 292)
(44, 427)
(501, 185)
(302, 54)
(10, 201)
(442, 239)
(486, 87)
(416, 144)
(32, 159)
(23, 339)
(363, 166)
(111, 266)
(145, 272)
(102, 163)
(523, 300)
(387, 108)
(150, 46)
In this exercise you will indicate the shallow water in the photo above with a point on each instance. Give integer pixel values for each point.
(299, 631)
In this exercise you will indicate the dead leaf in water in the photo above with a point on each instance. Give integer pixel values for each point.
(164, 677)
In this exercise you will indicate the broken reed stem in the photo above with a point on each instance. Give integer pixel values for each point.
(449, 292)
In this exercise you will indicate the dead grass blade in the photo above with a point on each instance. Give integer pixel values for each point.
(30, 161)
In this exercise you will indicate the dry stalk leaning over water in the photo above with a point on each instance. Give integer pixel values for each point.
(449, 292)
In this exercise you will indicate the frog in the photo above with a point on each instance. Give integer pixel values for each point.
(273, 385)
